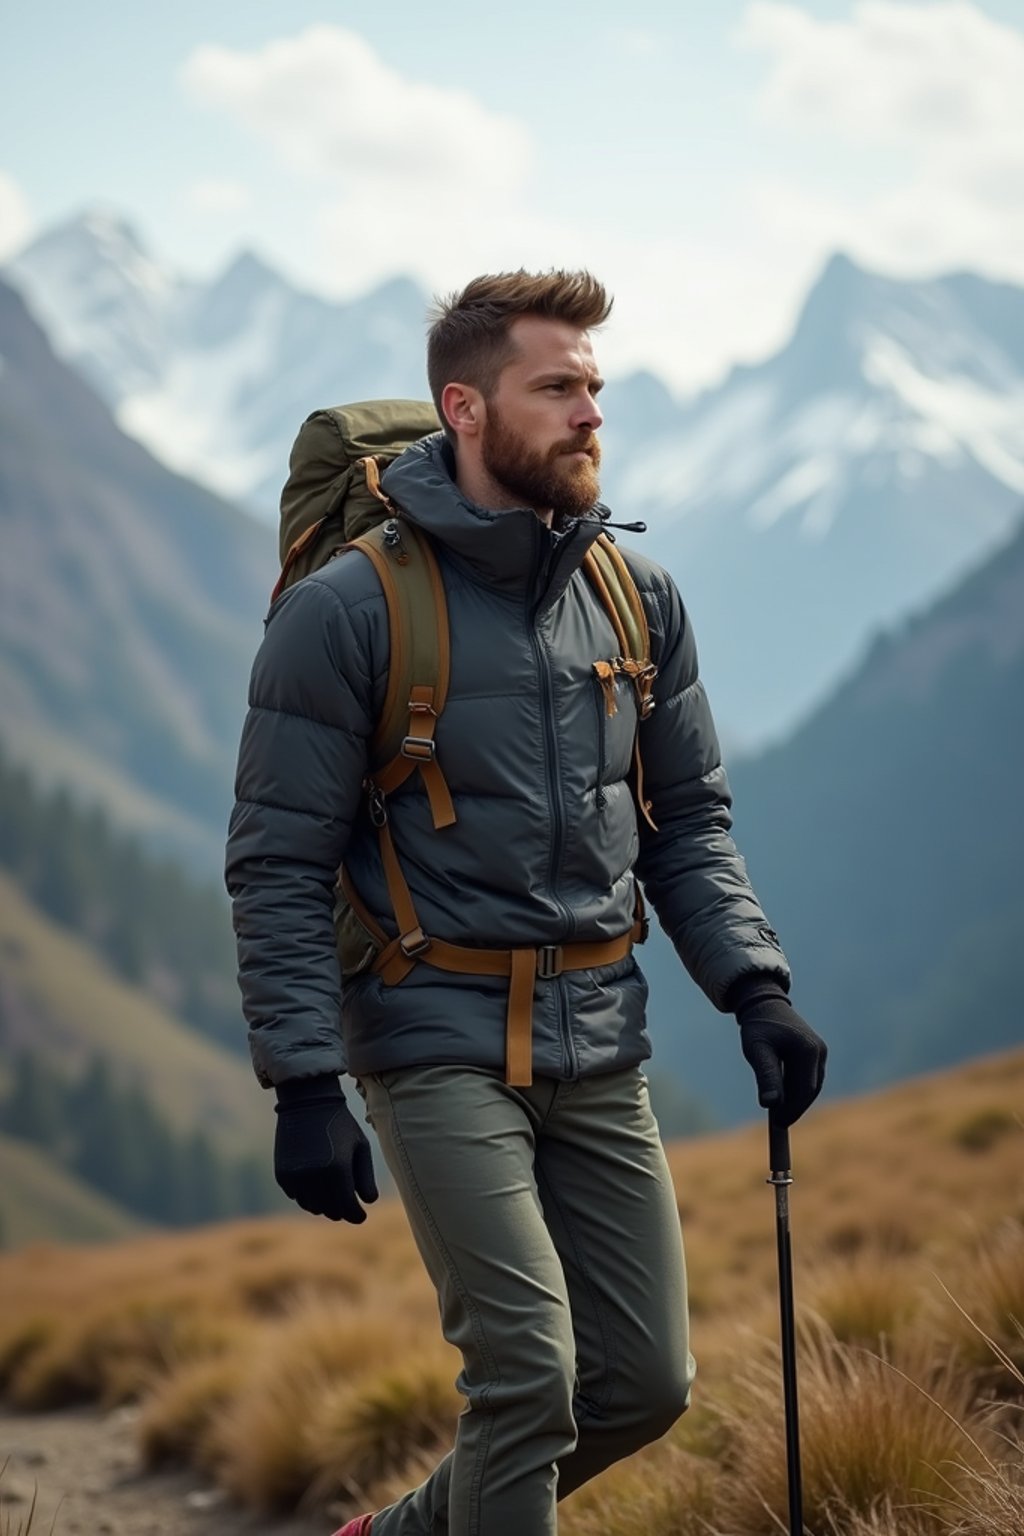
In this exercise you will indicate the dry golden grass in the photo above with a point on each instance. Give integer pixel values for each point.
(297, 1361)
(361, 1431)
(663, 1491)
(869, 1437)
(177, 1421)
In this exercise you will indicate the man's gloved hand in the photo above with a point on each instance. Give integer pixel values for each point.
(322, 1160)
(787, 1056)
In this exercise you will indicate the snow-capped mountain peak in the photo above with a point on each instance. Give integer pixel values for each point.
(802, 503)
(102, 298)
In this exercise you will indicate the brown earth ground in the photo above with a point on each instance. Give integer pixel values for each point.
(85, 1467)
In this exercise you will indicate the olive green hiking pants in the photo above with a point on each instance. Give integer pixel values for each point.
(547, 1221)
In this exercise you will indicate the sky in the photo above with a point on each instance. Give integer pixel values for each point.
(703, 157)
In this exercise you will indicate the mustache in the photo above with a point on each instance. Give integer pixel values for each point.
(586, 443)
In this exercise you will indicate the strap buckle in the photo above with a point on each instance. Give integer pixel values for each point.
(414, 943)
(378, 806)
(421, 748)
(644, 685)
(549, 961)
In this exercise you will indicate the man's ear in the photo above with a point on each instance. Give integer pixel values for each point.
(463, 408)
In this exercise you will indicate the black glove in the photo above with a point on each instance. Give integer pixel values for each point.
(322, 1160)
(787, 1056)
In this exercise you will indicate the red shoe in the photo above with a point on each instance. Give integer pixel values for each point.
(360, 1526)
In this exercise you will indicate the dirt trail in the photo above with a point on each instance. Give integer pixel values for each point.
(87, 1472)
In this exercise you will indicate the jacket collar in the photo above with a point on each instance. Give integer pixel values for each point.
(512, 550)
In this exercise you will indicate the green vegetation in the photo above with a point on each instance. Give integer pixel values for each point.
(155, 926)
(40, 1200)
(62, 1001)
(114, 1140)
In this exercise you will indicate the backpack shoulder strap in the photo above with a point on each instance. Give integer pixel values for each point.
(612, 580)
(420, 660)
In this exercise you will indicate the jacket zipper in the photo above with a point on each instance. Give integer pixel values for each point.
(554, 795)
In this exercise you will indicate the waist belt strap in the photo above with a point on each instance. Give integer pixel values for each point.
(522, 967)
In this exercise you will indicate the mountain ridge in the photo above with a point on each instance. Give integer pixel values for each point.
(802, 503)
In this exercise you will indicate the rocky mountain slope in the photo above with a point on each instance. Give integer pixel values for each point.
(885, 839)
(801, 504)
(130, 604)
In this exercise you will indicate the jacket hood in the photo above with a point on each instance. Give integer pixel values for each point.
(511, 550)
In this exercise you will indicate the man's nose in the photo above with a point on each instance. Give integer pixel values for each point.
(588, 413)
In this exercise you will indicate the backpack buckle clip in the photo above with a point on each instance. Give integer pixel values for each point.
(549, 961)
(644, 687)
(422, 748)
(414, 943)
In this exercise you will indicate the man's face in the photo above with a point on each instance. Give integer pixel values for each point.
(538, 442)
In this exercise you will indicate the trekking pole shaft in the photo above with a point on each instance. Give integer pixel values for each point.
(781, 1179)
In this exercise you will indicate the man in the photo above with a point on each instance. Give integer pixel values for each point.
(540, 1200)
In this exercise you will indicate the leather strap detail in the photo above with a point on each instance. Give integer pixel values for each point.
(522, 967)
(596, 578)
(419, 747)
(301, 543)
(605, 568)
(519, 1020)
(417, 651)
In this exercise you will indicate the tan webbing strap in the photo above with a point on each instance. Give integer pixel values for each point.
(396, 636)
(301, 543)
(419, 746)
(419, 666)
(521, 966)
(412, 943)
(646, 806)
(371, 469)
(605, 568)
(519, 1019)
(596, 578)
(641, 641)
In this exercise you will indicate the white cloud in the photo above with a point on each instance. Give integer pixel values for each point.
(212, 195)
(941, 86)
(332, 108)
(403, 176)
(409, 177)
(15, 218)
(925, 76)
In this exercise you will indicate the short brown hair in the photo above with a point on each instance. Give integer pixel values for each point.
(469, 337)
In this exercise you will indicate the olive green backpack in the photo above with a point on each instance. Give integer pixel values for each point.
(333, 502)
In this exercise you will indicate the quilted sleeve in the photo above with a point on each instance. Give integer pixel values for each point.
(690, 868)
(301, 764)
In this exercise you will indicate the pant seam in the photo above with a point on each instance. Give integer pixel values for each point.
(487, 1428)
(588, 1407)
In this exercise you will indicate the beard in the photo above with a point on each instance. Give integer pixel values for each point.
(542, 479)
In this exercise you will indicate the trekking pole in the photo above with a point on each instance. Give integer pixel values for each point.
(781, 1178)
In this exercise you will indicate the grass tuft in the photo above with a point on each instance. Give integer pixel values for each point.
(364, 1432)
(869, 1301)
(176, 1423)
(981, 1129)
(663, 1491)
(260, 1444)
(112, 1354)
(866, 1431)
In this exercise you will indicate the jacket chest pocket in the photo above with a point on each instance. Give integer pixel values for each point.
(616, 706)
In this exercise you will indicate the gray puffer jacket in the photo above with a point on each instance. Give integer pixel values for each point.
(548, 843)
